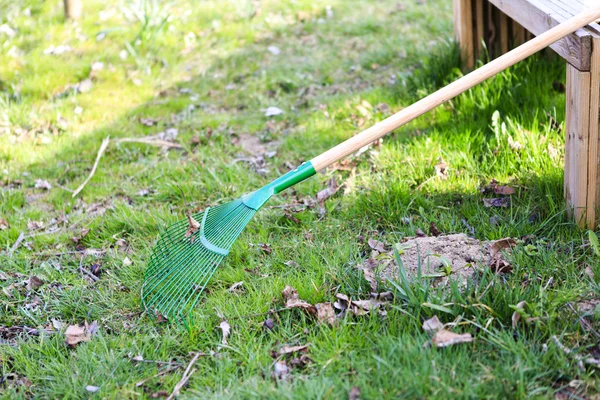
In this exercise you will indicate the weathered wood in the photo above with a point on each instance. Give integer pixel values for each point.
(518, 33)
(479, 28)
(463, 30)
(537, 16)
(72, 9)
(503, 28)
(593, 198)
(577, 142)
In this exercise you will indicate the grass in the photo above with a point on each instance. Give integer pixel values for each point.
(335, 69)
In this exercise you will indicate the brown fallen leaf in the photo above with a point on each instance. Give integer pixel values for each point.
(498, 262)
(34, 282)
(354, 393)
(292, 349)
(300, 362)
(445, 338)
(370, 277)
(504, 190)
(432, 325)
(332, 188)
(377, 245)
(420, 233)
(441, 169)
(326, 313)
(76, 333)
(265, 248)
(433, 229)
(35, 225)
(292, 300)
(226, 329)
(193, 227)
(4, 224)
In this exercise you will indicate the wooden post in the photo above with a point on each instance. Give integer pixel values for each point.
(463, 30)
(577, 142)
(593, 199)
(72, 9)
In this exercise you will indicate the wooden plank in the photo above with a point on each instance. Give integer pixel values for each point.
(538, 17)
(479, 27)
(463, 30)
(593, 199)
(518, 34)
(577, 131)
(503, 32)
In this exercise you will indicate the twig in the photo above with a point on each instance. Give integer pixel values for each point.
(186, 376)
(152, 142)
(93, 171)
(583, 322)
(85, 271)
(166, 371)
(17, 243)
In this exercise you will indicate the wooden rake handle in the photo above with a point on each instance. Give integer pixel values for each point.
(454, 89)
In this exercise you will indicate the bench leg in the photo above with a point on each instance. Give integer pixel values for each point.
(581, 142)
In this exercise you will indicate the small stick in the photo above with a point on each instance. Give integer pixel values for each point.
(17, 243)
(166, 371)
(185, 377)
(152, 142)
(93, 171)
(85, 271)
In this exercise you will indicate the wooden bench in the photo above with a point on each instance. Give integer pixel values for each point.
(503, 24)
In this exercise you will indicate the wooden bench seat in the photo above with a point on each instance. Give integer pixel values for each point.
(503, 24)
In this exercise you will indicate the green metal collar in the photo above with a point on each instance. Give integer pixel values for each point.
(257, 199)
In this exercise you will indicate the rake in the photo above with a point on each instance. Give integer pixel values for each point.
(189, 252)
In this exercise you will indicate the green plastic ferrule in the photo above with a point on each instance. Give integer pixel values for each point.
(257, 199)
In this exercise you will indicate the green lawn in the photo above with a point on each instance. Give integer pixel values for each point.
(209, 70)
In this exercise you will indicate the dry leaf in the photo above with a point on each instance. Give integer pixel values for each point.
(326, 313)
(42, 184)
(504, 190)
(432, 325)
(292, 300)
(292, 349)
(34, 282)
(235, 287)
(433, 229)
(127, 262)
(441, 169)
(192, 228)
(370, 277)
(516, 317)
(76, 333)
(280, 370)
(332, 188)
(377, 245)
(35, 225)
(498, 263)
(420, 233)
(496, 202)
(265, 248)
(354, 393)
(226, 328)
(445, 338)
(4, 224)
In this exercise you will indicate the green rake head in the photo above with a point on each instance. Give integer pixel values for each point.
(189, 252)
